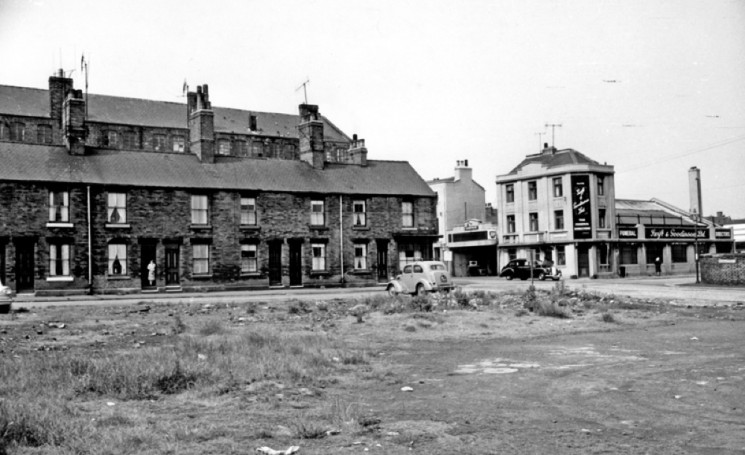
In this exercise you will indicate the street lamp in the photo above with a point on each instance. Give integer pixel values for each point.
(695, 241)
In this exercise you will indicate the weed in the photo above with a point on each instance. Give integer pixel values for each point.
(178, 325)
(552, 309)
(212, 328)
(529, 298)
(176, 381)
(305, 428)
(608, 317)
(521, 312)
(422, 303)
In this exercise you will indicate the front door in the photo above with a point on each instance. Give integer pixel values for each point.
(583, 260)
(172, 265)
(147, 254)
(296, 269)
(382, 260)
(275, 263)
(25, 266)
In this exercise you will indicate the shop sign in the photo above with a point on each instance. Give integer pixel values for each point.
(676, 233)
(727, 261)
(628, 233)
(471, 225)
(581, 207)
(723, 234)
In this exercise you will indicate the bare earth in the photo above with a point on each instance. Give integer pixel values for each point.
(656, 379)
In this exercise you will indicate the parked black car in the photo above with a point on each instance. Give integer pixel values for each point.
(520, 268)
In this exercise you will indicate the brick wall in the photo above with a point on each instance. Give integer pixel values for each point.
(728, 269)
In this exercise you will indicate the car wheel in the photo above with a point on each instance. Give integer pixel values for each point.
(509, 277)
(420, 291)
(392, 291)
(541, 276)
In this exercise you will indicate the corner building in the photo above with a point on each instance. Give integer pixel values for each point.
(561, 206)
(93, 188)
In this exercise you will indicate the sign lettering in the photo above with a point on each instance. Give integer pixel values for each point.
(581, 206)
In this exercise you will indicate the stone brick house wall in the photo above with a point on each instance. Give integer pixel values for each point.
(727, 269)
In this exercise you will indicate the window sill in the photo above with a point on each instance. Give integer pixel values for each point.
(320, 273)
(249, 227)
(117, 277)
(201, 227)
(202, 276)
(117, 226)
(60, 278)
(250, 274)
(59, 225)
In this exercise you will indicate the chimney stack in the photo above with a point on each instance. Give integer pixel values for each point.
(357, 153)
(73, 122)
(201, 124)
(462, 171)
(694, 189)
(310, 131)
(59, 85)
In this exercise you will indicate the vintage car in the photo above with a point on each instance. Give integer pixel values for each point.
(421, 277)
(520, 268)
(6, 298)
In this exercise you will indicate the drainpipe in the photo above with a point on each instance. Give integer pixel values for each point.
(341, 240)
(90, 242)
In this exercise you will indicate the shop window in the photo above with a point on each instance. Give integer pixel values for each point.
(512, 253)
(510, 224)
(628, 255)
(201, 259)
(178, 144)
(679, 252)
(601, 186)
(317, 213)
(603, 254)
(533, 221)
(44, 134)
(360, 256)
(559, 220)
(601, 219)
(59, 207)
(117, 259)
(159, 142)
(653, 251)
(558, 187)
(248, 211)
(509, 193)
(532, 190)
(561, 256)
(407, 214)
(18, 131)
(199, 209)
(116, 208)
(59, 260)
(360, 214)
(249, 260)
(319, 256)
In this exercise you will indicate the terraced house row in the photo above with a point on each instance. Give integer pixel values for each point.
(99, 191)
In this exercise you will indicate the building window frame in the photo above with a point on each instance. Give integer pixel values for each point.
(561, 255)
(601, 186)
(679, 253)
(628, 254)
(129, 140)
(178, 143)
(359, 213)
(160, 142)
(249, 258)
(602, 219)
(360, 256)
(18, 131)
(200, 209)
(509, 190)
(249, 215)
(317, 212)
(223, 147)
(407, 214)
(200, 258)
(558, 187)
(117, 260)
(116, 208)
(532, 190)
(559, 220)
(44, 134)
(511, 228)
(59, 206)
(318, 257)
(533, 222)
(60, 261)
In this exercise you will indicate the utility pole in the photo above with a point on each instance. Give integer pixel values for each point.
(553, 129)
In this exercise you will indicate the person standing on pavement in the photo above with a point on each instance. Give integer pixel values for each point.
(151, 272)
(657, 266)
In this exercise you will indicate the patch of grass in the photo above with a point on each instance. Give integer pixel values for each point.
(607, 317)
(551, 309)
(212, 327)
(309, 428)
(178, 325)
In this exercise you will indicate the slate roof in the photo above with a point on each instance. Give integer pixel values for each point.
(39, 163)
(549, 160)
(630, 211)
(34, 102)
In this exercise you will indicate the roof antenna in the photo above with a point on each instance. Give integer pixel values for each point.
(303, 86)
(553, 128)
(540, 142)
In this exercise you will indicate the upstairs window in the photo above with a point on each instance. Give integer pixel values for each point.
(178, 144)
(223, 147)
(360, 214)
(44, 134)
(242, 147)
(533, 218)
(109, 139)
(116, 208)
(532, 190)
(360, 256)
(601, 219)
(4, 131)
(249, 262)
(248, 211)
(18, 131)
(407, 214)
(130, 141)
(558, 187)
(59, 207)
(559, 220)
(159, 142)
(601, 186)
(509, 193)
(317, 213)
(59, 259)
(117, 259)
(510, 224)
(319, 256)
(199, 209)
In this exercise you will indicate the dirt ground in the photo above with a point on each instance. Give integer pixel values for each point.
(650, 378)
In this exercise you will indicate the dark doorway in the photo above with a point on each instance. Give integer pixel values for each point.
(275, 263)
(296, 263)
(172, 265)
(25, 265)
(382, 260)
(583, 260)
(147, 254)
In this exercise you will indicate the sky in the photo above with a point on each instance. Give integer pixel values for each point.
(652, 87)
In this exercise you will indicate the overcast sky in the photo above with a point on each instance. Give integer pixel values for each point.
(652, 87)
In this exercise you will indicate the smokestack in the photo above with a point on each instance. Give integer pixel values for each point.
(694, 188)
